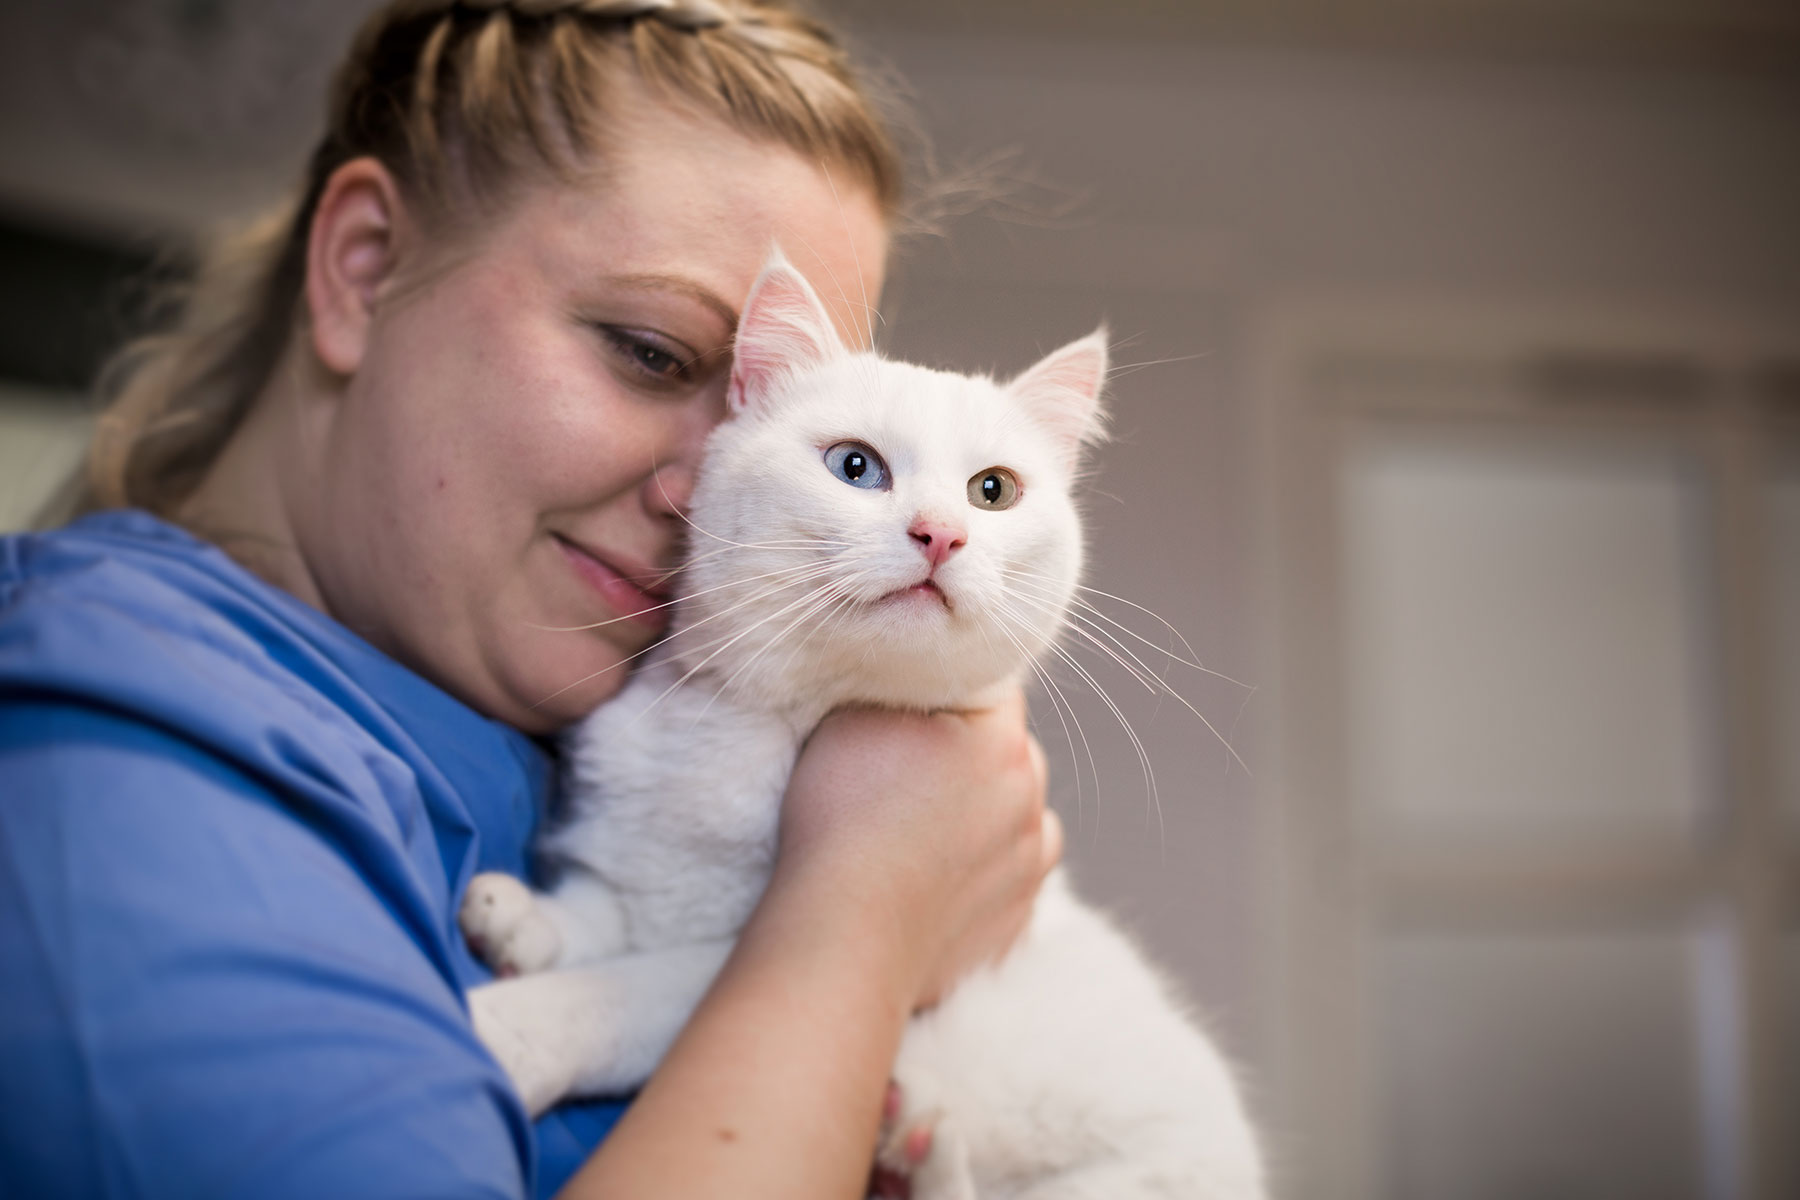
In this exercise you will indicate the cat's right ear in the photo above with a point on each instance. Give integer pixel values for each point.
(1063, 392)
(784, 328)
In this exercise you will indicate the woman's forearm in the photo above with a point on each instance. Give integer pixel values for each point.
(775, 1087)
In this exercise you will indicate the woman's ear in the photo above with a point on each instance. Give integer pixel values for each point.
(351, 253)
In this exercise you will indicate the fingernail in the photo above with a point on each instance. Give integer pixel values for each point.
(918, 1145)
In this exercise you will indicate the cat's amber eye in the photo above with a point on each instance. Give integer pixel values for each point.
(994, 488)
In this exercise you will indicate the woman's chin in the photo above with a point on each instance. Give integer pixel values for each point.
(551, 687)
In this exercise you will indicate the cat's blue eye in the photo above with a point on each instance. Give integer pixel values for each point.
(857, 465)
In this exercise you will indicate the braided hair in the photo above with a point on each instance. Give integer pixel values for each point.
(464, 102)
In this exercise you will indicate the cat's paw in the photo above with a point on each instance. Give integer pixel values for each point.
(920, 1157)
(905, 1144)
(507, 927)
(523, 1023)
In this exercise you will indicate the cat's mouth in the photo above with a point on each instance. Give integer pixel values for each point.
(925, 591)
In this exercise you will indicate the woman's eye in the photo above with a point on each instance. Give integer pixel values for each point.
(857, 465)
(994, 488)
(656, 361)
(648, 356)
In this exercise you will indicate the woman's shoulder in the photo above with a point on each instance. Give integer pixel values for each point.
(95, 602)
(124, 614)
(121, 600)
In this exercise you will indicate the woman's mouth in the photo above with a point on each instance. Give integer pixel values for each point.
(616, 585)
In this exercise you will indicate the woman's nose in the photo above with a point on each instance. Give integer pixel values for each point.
(670, 488)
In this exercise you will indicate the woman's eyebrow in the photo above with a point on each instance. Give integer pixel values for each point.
(681, 285)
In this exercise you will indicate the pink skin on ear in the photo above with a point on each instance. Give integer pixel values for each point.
(783, 329)
(1063, 391)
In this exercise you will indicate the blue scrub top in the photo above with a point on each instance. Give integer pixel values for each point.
(233, 838)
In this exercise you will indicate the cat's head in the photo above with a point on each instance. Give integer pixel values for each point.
(876, 531)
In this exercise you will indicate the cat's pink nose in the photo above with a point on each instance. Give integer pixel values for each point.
(937, 539)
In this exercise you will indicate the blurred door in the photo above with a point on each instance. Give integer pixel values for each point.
(1538, 826)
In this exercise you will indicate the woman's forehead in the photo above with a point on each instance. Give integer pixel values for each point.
(693, 201)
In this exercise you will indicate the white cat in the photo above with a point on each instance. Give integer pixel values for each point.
(873, 532)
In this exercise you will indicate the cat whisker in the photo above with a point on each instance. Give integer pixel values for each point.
(1193, 659)
(869, 310)
(666, 604)
(1067, 715)
(798, 575)
(797, 544)
(874, 313)
(1118, 713)
(1081, 624)
(1192, 663)
(678, 510)
(1231, 730)
(1162, 685)
(846, 603)
(1064, 713)
(1137, 743)
(1128, 368)
(658, 578)
(836, 598)
(817, 569)
(1130, 663)
(728, 643)
(827, 596)
(794, 543)
(1052, 587)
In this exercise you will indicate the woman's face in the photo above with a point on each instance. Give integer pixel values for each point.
(513, 452)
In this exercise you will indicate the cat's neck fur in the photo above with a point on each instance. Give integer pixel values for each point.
(801, 689)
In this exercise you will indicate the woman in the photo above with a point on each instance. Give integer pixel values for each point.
(257, 738)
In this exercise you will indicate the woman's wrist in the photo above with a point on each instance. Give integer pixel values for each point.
(776, 1086)
(826, 912)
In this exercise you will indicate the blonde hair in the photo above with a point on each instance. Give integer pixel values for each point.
(463, 101)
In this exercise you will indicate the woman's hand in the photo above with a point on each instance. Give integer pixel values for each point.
(931, 829)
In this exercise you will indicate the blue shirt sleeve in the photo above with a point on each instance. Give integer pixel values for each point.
(204, 996)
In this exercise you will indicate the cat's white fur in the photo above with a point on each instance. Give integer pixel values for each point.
(1065, 1072)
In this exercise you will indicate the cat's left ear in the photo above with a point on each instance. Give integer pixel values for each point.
(784, 328)
(1063, 392)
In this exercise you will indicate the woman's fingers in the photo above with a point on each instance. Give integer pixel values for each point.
(934, 827)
